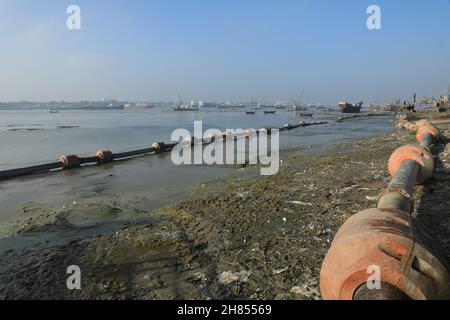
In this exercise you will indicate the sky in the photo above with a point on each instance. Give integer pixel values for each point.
(224, 50)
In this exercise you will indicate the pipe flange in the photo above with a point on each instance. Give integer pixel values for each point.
(400, 191)
(265, 131)
(420, 154)
(159, 147)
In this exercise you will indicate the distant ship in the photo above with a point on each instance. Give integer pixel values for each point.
(185, 107)
(253, 110)
(297, 107)
(267, 106)
(192, 106)
(139, 105)
(350, 108)
(230, 106)
(280, 107)
(93, 107)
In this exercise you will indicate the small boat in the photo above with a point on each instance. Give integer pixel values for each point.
(305, 114)
(270, 111)
(253, 110)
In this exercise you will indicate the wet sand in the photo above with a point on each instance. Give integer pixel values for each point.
(238, 236)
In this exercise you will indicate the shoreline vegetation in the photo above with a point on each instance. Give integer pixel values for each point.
(240, 236)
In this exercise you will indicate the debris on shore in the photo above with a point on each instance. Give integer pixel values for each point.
(250, 237)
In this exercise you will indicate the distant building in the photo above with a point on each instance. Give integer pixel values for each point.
(445, 98)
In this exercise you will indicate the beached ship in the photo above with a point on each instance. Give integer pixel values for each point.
(350, 108)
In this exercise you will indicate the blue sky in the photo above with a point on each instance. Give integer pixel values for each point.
(224, 50)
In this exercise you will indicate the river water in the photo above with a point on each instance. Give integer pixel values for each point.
(29, 137)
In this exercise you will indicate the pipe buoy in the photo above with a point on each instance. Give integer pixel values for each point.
(159, 147)
(287, 126)
(392, 241)
(266, 131)
(411, 126)
(413, 152)
(212, 137)
(226, 135)
(190, 141)
(428, 129)
(423, 122)
(249, 133)
(69, 161)
(104, 156)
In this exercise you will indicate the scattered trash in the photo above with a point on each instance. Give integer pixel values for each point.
(301, 203)
(279, 271)
(325, 231)
(372, 198)
(228, 277)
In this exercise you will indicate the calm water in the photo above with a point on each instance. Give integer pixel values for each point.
(33, 137)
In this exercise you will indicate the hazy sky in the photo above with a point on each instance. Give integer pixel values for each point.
(224, 50)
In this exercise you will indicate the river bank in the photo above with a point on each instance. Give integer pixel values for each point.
(239, 236)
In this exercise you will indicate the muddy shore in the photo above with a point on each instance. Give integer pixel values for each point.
(241, 236)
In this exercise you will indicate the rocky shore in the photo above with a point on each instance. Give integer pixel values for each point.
(238, 237)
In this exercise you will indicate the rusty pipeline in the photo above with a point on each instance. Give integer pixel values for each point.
(394, 242)
(389, 238)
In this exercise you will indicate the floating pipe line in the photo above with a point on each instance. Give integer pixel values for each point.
(365, 115)
(72, 161)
